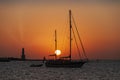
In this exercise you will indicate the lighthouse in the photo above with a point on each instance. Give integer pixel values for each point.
(23, 54)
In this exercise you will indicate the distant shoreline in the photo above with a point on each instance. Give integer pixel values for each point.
(2, 59)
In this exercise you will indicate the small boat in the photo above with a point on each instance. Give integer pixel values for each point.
(36, 65)
(67, 62)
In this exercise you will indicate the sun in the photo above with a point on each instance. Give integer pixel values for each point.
(58, 52)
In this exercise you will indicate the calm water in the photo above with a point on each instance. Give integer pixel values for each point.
(20, 70)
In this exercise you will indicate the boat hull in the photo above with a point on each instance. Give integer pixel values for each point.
(36, 65)
(64, 64)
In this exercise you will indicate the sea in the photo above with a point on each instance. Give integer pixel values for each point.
(93, 70)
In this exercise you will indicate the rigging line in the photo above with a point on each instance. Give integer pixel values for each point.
(79, 38)
(64, 41)
(63, 33)
(49, 44)
(51, 40)
(76, 43)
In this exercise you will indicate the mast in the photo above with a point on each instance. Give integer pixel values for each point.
(55, 43)
(55, 40)
(70, 33)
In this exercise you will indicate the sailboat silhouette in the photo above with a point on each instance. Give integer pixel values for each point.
(63, 62)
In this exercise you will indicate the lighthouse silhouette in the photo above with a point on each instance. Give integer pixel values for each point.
(23, 54)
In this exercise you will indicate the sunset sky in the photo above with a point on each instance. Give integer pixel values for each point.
(31, 24)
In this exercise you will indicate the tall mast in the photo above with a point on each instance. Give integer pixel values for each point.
(55, 40)
(55, 43)
(70, 32)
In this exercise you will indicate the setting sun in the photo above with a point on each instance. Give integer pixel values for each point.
(57, 52)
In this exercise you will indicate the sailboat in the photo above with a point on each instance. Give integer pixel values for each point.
(67, 62)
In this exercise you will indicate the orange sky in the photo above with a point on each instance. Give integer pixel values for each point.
(32, 25)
